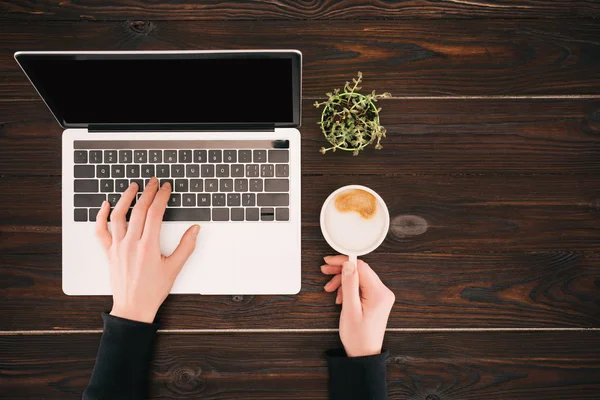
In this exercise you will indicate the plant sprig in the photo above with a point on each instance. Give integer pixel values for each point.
(350, 120)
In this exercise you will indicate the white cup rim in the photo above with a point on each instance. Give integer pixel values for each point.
(384, 231)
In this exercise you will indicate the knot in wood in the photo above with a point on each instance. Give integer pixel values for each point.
(141, 27)
(187, 379)
(432, 397)
(408, 225)
(237, 298)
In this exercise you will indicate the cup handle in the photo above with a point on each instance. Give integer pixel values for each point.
(353, 258)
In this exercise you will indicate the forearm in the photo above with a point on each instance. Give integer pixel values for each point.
(122, 364)
(360, 378)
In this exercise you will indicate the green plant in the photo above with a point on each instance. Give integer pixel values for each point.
(350, 120)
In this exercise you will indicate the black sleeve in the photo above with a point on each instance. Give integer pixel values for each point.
(122, 364)
(360, 378)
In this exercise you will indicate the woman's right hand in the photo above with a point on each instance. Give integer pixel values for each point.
(366, 305)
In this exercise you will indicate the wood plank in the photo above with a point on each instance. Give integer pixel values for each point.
(541, 366)
(287, 9)
(414, 57)
(433, 290)
(428, 213)
(549, 136)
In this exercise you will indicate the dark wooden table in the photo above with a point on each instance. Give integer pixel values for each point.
(491, 171)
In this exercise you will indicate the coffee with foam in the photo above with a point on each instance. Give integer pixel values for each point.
(355, 221)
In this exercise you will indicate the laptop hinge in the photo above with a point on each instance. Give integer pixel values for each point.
(116, 128)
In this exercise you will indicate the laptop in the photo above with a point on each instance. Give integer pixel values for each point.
(219, 125)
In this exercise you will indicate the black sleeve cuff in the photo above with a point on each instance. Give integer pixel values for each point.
(357, 377)
(122, 364)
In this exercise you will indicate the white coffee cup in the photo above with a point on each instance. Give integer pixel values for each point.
(351, 232)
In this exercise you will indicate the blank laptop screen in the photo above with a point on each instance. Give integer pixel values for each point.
(146, 89)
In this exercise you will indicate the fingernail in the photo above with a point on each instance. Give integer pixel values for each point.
(195, 230)
(104, 203)
(153, 181)
(348, 268)
(166, 185)
(326, 258)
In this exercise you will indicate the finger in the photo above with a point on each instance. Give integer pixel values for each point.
(333, 284)
(119, 213)
(155, 214)
(336, 260)
(138, 215)
(102, 232)
(351, 296)
(340, 296)
(184, 250)
(369, 281)
(331, 269)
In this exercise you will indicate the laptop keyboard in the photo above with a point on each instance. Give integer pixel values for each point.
(209, 180)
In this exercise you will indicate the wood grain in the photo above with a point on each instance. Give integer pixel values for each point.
(287, 9)
(433, 290)
(414, 57)
(421, 366)
(432, 137)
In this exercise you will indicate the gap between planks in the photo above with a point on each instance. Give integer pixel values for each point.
(325, 330)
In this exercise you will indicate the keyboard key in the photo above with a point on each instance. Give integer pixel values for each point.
(110, 156)
(279, 156)
(277, 185)
(133, 171)
(192, 170)
(282, 170)
(102, 171)
(282, 214)
(117, 171)
(237, 214)
(267, 170)
(256, 185)
(204, 200)
(147, 171)
(181, 185)
(140, 183)
(175, 200)
(171, 156)
(251, 170)
(218, 200)
(89, 200)
(267, 214)
(80, 215)
(163, 171)
(220, 214)
(248, 199)
(241, 185)
(163, 181)
(80, 157)
(222, 171)
(189, 200)
(93, 214)
(85, 185)
(96, 156)
(107, 185)
(187, 214)
(230, 156)
(207, 170)
(196, 185)
(215, 156)
(140, 156)
(185, 156)
(200, 156)
(252, 214)
(177, 171)
(84, 171)
(245, 156)
(273, 199)
(226, 185)
(211, 185)
(155, 156)
(237, 171)
(113, 199)
(233, 200)
(121, 185)
(259, 156)
(125, 156)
